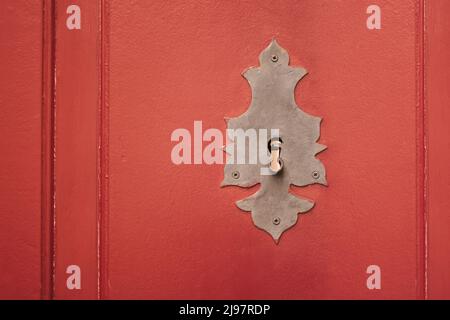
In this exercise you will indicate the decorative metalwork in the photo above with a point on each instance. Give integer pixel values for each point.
(273, 208)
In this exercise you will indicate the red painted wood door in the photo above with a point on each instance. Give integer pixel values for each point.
(117, 218)
(173, 233)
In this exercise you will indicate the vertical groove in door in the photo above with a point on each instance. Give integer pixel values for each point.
(47, 153)
(421, 242)
(103, 151)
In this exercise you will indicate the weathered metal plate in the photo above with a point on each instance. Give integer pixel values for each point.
(273, 106)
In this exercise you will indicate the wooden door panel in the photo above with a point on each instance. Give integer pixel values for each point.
(173, 233)
(20, 145)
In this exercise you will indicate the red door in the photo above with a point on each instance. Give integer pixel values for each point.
(94, 206)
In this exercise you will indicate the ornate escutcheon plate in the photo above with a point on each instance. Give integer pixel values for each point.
(273, 208)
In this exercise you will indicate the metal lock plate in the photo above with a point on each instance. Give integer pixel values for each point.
(273, 106)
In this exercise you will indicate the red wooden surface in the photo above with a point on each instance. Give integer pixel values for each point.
(76, 135)
(108, 96)
(438, 139)
(20, 149)
(173, 233)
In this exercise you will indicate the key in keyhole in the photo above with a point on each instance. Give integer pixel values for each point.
(276, 164)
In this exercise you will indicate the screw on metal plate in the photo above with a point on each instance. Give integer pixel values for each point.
(292, 159)
(316, 175)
